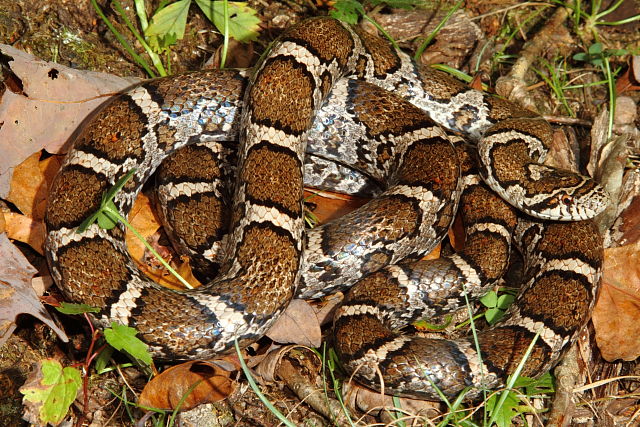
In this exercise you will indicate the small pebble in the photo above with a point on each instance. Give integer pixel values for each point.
(626, 110)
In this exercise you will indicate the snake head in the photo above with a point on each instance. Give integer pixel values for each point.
(562, 195)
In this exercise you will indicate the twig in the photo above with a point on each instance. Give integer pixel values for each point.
(568, 121)
(513, 85)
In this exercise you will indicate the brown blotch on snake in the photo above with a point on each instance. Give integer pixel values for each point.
(273, 104)
(385, 58)
(363, 334)
(440, 85)
(559, 301)
(374, 108)
(269, 185)
(204, 228)
(276, 255)
(186, 321)
(94, 271)
(378, 289)
(329, 41)
(441, 174)
(510, 160)
(192, 163)
(166, 135)
(75, 194)
(117, 133)
(504, 347)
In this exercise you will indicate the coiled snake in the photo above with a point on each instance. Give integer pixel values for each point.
(376, 132)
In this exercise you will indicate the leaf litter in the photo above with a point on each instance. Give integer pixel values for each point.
(613, 317)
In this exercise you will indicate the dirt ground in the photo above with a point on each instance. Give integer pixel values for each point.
(485, 39)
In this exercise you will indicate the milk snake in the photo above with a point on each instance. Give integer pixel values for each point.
(388, 139)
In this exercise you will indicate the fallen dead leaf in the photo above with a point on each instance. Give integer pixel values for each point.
(16, 294)
(626, 228)
(629, 80)
(143, 218)
(616, 314)
(28, 187)
(372, 402)
(26, 230)
(49, 168)
(297, 325)
(163, 277)
(208, 381)
(239, 55)
(326, 309)
(270, 364)
(27, 114)
(328, 205)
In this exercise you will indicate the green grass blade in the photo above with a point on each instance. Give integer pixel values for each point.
(122, 40)
(257, 391)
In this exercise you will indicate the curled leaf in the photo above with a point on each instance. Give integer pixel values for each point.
(187, 385)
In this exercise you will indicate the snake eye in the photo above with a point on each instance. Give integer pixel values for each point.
(566, 199)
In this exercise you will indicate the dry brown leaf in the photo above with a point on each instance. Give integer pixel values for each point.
(25, 230)
(328, 205)
(370, 401)
(270, 363)
(16, 294)
(49, 168)
(476, 82)
(29, 190)
(297, 325)
(28, 187)
(163, 277)
(143, 218)
(628, 82)
(239, 55)
(626, 228)
(27, 124)
(211, 384)
(327, 308)
(617, 311)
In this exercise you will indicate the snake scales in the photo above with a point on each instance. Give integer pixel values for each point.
(423, 168)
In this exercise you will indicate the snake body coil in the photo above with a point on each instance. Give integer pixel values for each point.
(386, 138)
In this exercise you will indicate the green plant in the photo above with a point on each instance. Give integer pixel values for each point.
(496, 306)
(58, 386)
(257, 391)
(53, 392)
(556, 78)
(592, 18)
(167, 25)
(586, 21)
(352, 10)
(332, 363)
(505, 406)
(598, 56)
(506, 36)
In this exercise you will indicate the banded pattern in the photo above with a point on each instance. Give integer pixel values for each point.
(385, 138)
(561, 274)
